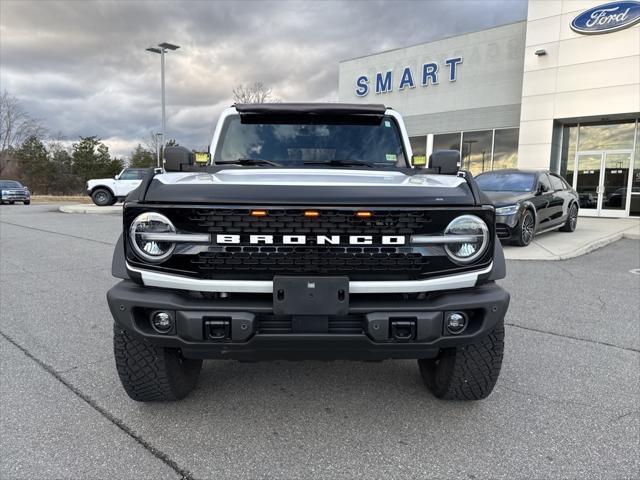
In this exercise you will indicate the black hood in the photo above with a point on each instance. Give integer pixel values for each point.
(502, 199)
(309, 187)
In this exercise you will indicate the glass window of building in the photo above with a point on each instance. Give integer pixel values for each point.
(418, 145)
(613, 136)
(568, 157)
(446, 141)
(476, 151)
(505, 148)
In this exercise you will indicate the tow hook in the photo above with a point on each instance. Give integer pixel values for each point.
(403, 330)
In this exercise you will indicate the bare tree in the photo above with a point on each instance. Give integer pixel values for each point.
(16, 125)
(256, 93)
(153, 142)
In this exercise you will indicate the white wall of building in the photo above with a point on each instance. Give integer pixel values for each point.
(580, 77)
(486, 93)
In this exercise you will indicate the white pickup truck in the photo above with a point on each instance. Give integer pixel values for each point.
(107, 191)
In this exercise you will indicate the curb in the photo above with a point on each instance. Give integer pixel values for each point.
(86, 208)
(584, 249)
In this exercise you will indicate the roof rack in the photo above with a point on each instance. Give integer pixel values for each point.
(311, 108)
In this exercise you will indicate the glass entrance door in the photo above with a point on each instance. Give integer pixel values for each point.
(602, 181)
(615, 183)
(588, 182)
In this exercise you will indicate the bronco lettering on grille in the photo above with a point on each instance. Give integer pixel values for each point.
(319, 240)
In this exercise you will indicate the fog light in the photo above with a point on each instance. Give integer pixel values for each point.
(162, 322)
(456, 322)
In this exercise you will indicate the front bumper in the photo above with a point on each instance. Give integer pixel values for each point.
(253, 332)
(506, 226)
(15, 197)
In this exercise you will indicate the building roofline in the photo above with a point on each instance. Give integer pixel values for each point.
(431, 41)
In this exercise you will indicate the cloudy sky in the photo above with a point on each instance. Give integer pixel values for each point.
(81, 66)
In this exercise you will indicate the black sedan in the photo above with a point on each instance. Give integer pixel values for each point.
(529, 202)
(12, 192)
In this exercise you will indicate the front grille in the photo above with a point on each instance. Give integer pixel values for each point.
(274, 324)
(336, 222)
(375, 261)
(312, 259)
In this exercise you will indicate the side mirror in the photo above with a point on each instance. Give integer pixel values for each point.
(116, 177)
(542, 188)
(419, 161)
(177, 158)
(447, 162)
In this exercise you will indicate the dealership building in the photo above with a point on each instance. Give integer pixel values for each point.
(559, 91)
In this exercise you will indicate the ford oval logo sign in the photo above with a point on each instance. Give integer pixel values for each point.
(607, 18)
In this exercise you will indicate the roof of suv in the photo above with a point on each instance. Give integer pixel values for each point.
(513, 170)
(312, 108)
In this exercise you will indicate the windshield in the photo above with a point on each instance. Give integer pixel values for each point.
(506, 181)
(299, 141)
(9, 184)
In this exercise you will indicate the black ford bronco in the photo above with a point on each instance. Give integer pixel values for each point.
(307, 233)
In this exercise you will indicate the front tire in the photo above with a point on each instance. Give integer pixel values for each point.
(102, 197)
(525, 229)
(572, 219)
(149, 373)
(27, 202)
(466, 373)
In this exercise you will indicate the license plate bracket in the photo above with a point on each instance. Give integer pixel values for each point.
(310, 295)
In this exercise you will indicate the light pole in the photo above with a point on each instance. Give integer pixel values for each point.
(161, 49)
(159, 148)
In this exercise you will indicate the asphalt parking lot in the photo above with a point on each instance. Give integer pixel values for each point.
(566, 404)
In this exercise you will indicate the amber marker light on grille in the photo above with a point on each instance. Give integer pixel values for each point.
(363, 214)
(311, 213)
(258, 213)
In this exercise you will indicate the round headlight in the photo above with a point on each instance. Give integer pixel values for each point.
(151, 250)
(475, 243)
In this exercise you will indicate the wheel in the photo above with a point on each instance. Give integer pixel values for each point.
(101, 197)
(113, 201)
(466, 373)
(27, 202)
(149, 373)
(525, 229)
(11, 202)
(572, 219)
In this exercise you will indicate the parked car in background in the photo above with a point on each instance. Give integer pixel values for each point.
(12, 191)
(617, 198)
(107, 191)
(529, 202)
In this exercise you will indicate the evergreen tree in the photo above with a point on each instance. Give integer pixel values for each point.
(142, 158)
(91, 159)
(35, 167)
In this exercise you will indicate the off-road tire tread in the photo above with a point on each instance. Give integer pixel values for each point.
(149, 373)
(468, 372)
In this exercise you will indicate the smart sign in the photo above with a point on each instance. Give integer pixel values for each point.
(428, 74)
(606, 18)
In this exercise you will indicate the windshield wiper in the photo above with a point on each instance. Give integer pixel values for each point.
(254, 161)
(340, 163)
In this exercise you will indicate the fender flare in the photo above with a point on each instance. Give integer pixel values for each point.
(118, 262)
(105, 187)
(499, 268)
